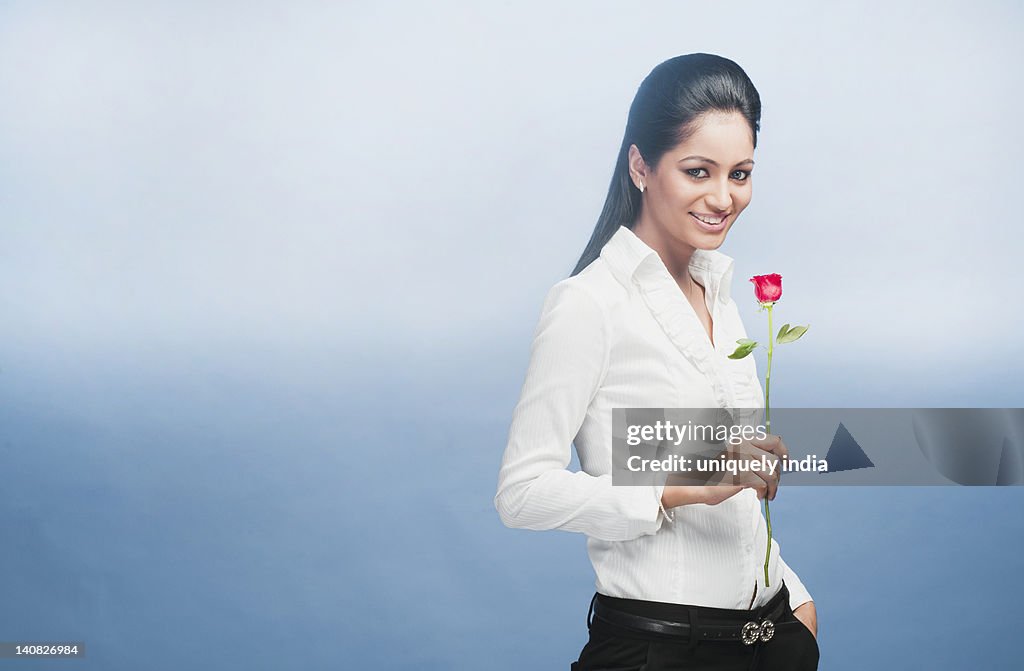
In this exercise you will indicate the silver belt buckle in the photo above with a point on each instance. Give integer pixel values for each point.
(753, 632)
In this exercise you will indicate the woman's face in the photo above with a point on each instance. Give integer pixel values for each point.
(698, 189)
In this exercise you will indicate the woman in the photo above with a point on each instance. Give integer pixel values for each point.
(646, 321)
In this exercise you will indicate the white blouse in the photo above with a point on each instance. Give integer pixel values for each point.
(622, 334)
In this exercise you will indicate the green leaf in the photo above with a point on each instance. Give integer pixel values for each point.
(793, 334)
(744, 349)
(782, 332)
(745, 341)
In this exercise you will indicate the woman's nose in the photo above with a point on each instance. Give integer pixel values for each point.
(720, 198)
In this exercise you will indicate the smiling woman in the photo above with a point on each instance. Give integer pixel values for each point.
(692, 199)
(645, 321)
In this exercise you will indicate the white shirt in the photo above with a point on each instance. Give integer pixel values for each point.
(621, 334)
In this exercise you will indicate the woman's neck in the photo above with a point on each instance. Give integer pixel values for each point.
(676, 256)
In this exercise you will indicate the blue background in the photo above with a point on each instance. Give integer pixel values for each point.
(268, 278)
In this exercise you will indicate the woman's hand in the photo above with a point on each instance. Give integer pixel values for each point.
(808, 614)
(764, 483)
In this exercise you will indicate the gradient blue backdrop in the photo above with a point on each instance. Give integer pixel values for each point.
(268, 277)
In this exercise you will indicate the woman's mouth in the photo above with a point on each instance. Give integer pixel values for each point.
(712, 223)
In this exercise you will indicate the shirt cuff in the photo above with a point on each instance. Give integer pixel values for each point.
(647, 512)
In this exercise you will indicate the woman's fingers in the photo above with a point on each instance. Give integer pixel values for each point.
(764, 482)
(756, 480)
(774, 444)
(762, 487)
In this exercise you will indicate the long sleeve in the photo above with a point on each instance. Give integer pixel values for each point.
(568, 360)
(798, 594)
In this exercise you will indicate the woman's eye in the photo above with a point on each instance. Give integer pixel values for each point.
(700, 173)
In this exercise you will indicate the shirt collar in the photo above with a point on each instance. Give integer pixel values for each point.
(632, 259)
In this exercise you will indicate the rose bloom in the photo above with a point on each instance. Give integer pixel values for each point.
(767, 288)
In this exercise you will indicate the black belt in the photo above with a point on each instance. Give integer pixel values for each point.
(757, 625)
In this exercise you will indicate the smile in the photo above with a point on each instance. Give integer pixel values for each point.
(710, 222)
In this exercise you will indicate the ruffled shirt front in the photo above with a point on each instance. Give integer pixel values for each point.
(621, 334)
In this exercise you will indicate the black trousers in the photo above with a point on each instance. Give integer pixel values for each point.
(613, 648)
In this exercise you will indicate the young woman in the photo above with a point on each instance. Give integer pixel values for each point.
(646, 320)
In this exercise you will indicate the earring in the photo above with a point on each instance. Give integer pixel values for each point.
(641, 187)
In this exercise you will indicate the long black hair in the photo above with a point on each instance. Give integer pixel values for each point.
(663, 112)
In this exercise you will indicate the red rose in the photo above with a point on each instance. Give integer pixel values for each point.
(767, 288)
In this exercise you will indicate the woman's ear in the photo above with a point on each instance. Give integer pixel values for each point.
(637, 167)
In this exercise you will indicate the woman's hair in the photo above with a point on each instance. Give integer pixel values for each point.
(663, 114)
